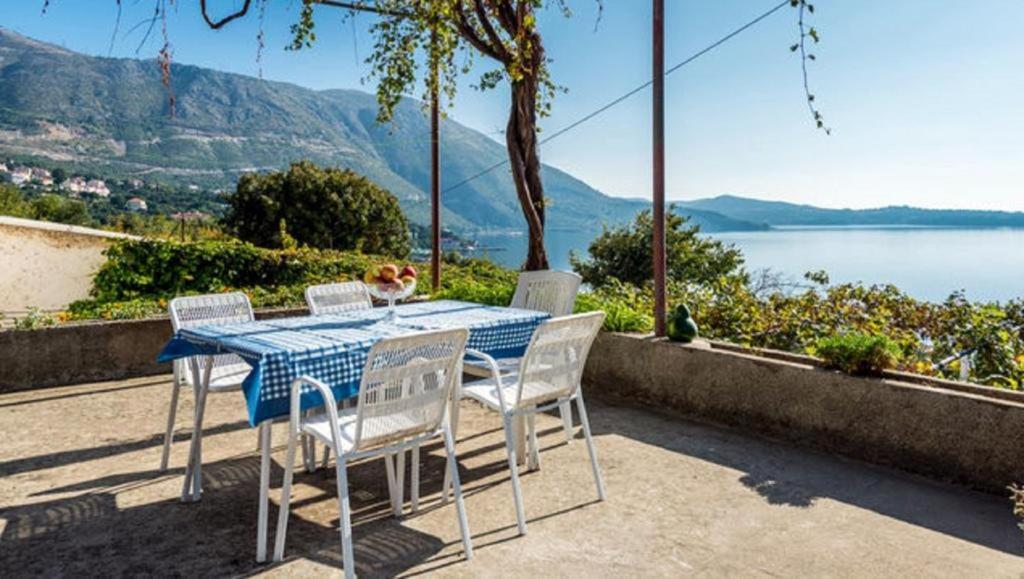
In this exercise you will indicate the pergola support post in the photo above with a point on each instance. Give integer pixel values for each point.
(435, 179)
(658, 162)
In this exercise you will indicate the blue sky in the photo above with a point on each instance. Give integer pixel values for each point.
(925, 97)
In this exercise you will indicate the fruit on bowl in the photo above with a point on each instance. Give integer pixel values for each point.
(388, 282)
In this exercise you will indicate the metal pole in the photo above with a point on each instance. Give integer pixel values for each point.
(435, 179)
(658, 132)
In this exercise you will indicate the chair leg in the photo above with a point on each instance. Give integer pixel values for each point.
(534, 462)
(389, 466)
(192, 486)
(348, 557)
(414, 474)
(286, 496)
(453, 467)
(565, 409)
(400, 482)
(590, 446)
(171, 413)
(308, 449)
(513, 468)
(453, 422)
(327, 457)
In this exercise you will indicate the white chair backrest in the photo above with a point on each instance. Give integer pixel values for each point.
(406, 386)
(552, 367)
(333, 298)
(192, 311)
(548, 291)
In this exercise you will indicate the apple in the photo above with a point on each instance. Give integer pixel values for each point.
(389, 272)
(408, 271)
(397, 285)
(408, 279)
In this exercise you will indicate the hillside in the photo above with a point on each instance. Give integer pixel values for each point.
(111, 115)
(778, 213)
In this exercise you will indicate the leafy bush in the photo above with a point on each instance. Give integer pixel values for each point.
(164, 268)
(859, 354)
(323, 208)
(121, 310)
(626, 308)
(35, 319)
(624, 253)
(45, 207)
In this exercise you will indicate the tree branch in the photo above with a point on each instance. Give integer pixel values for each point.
(469, 33)
(492, 34)
(215, 24)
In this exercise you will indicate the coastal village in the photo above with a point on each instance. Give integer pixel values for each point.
(58, 181)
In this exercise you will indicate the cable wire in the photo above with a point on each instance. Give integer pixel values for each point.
(632, 92)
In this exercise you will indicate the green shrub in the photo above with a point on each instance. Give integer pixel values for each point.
(163, 268)
(35, 319)
(122, 310)
(624, 254)
(626, 308)
(858, 354)
(324, 208)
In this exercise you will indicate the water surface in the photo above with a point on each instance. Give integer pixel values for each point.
(927, 263)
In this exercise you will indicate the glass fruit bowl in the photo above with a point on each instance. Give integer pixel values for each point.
(392, 292)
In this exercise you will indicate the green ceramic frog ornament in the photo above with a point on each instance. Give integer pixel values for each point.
(681, 327)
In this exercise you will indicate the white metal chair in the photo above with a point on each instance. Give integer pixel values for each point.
(404, 398)
(549, 375)
(548, 291)
(333, 298)
(228, 370)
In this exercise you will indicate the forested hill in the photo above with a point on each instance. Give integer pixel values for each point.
(112, 115)
(778, 213)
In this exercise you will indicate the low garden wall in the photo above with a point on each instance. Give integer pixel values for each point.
(969, 435)
(89, 351)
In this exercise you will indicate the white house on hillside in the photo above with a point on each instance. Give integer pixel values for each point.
(136, 205)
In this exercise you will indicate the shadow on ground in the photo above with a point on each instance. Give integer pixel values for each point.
(799, 479)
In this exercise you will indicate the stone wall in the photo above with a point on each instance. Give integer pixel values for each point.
(963, 436)
(89, 352)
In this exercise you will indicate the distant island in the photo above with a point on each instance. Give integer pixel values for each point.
(781, 214)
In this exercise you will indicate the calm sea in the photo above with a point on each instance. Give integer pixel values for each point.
(928, 263)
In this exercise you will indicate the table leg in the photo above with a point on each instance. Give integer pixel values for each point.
(193, 485)
(261, 525)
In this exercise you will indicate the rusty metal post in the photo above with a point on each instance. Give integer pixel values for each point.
(658, 132)
(435, 179)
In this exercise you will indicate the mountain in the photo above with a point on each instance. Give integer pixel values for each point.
(778, 213)
(112, 115)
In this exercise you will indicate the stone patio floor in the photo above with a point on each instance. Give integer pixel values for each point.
(81, 495)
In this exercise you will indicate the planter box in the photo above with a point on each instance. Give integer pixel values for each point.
(89, 351)
(956, 432)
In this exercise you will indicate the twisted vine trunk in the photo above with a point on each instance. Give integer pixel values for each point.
(521, 140)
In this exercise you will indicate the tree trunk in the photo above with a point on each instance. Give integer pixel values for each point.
(521, 138)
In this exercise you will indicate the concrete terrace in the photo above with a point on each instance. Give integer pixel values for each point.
(81, 496)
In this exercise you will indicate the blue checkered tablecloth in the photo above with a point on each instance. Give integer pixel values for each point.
(333, 348)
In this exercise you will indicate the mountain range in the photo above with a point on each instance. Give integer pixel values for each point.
(112, 115)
